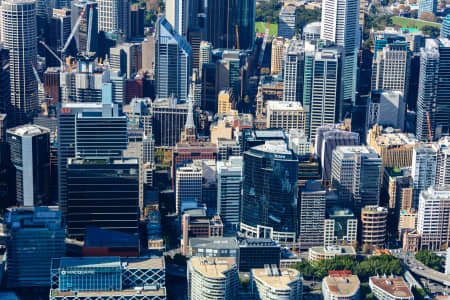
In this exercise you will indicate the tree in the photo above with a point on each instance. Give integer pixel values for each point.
(429, 259)
(305, 16)
(430, 31)
(413, 14)
(428, 16)
(268, 11)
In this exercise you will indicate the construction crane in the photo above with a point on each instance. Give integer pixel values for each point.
(74, 29)
(237, 37)
(429, 128)
(263, 46)
(88, 46)
(41, 92)
(53, 53)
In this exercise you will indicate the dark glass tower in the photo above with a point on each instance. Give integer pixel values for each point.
(269, 207)
(227, 15)
(102, 193)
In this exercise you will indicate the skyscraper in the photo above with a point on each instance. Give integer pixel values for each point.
(423, 169)
(33, 237)
(433, 102)
(102, 193)
(173, 62)
(286, 21)
(328, 139)
(113, 17)
(390, 68)
(269, 205)
(443, 162)
(325, 90)
(229, 191)
(312, 215)
(356, 172)
(30, 154)
(340, 25)
(427, 6)
(434, 216)
(188, 188)
(445, 29)
(5, 93)
(374, 225)
(178, 13)
(294, 60)
(278, 48)
(231, 23)
(19, 36)
(86, 130)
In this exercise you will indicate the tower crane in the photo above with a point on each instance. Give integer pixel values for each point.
(41, 92)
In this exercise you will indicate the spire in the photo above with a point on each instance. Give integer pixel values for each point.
(190, 117)
(189, 128)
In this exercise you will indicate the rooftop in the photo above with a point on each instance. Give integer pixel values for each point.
(394, 286)
(338, 250)
(213, 266)
(97, 237)
(214, 243)
(129, 292)
(155, 262)
(391, 138)
(284, 105)
(277, 278)
(277, 147)
(342, 285)
(28, 130)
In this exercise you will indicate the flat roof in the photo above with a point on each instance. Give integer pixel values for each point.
(284, 105)
(278, 281)
(213, 266)
(342, 285)
(154, 262)
(275, 146)
(90, 262)
(394, 286)
(214, 243)
(28, 130)
(338, 250)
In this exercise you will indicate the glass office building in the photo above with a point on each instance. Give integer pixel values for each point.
(108, 278)
(269, 206)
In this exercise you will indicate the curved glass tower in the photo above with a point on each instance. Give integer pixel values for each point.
(269, 207)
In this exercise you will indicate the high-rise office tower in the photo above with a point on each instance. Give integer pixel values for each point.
(390, 68)
(173, 62)
(340, 25)
(325, 90)
(188, 188)
(427, 6)
(82, 34)
(126, 58)
(278, 48)
(30, 155)
(312, 215)
(433, 102)
(169, 119)
(178, 13)
(230, 72)
(231, 23)
(102, 193)
(285, 115)
(355, 173)
(209, 277)
(423, 169)
(311, 31)
(4, 79)
(286, 21)
(388, 109)
(434, 216)
(269, 205)
(136, 21)
(86, 130)
(19, 36)
(443, 162)
(229, 191)
(445, 29)
(34, 236)
(113, 17)
(341, 226)
(294, 60)
(204, 56)
(374, 225)
(328, 139)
